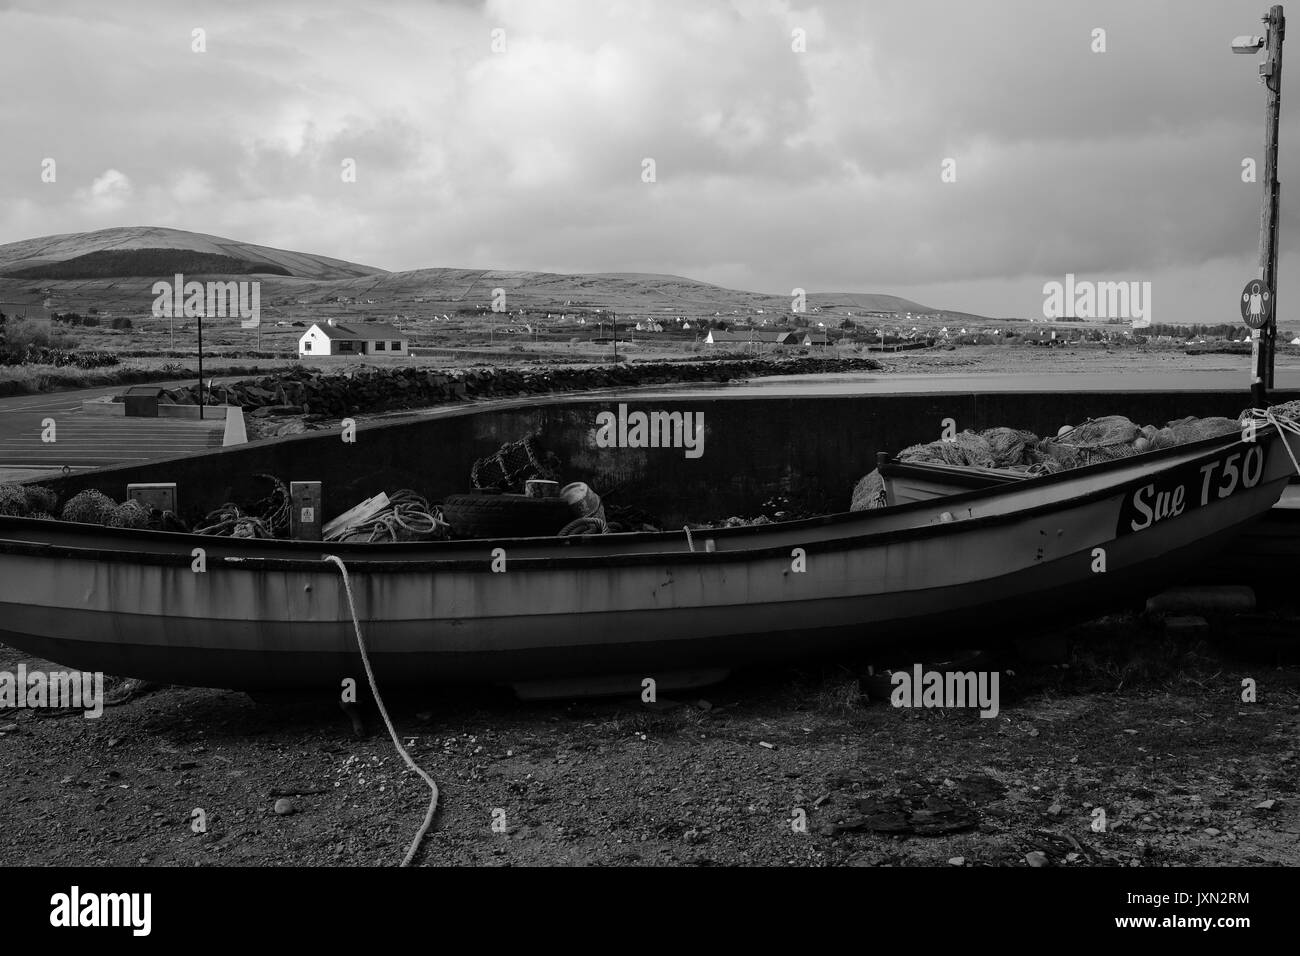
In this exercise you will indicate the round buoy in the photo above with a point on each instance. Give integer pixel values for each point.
(580, 498)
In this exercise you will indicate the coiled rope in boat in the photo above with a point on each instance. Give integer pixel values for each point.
(591, 524)
(407, 517)
(383, 711)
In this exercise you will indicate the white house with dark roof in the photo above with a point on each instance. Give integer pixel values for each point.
(359, 338)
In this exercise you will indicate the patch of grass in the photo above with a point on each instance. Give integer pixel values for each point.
(830, 690)
(839, 696)
(642, 721)
(1124, 652)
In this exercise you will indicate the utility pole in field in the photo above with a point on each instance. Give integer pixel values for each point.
(200, 317)
(1270, 74)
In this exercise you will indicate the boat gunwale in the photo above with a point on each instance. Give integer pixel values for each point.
(355, 554)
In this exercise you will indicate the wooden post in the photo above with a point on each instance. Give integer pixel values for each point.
(1271, 72)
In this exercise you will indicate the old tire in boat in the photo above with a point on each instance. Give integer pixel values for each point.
(504, 515)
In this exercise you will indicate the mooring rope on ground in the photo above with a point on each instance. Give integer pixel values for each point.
(383, 711)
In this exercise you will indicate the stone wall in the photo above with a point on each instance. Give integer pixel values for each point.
(377, 389)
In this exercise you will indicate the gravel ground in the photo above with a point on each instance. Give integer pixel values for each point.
(775, 768)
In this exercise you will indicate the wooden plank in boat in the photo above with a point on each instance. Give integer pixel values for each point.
(362, 512)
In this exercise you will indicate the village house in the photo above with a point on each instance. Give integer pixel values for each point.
(361, 338)
(718, 337)
(756, 336)
(769, 337)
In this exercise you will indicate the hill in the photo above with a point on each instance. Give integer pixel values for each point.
(76, 271)
(158, 251)
(450, 289)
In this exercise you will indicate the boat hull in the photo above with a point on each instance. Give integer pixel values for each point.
(985, 565)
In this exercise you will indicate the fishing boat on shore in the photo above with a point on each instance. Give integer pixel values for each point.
(1006, 557)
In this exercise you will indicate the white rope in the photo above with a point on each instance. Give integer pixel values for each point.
(592, 524)
(689, 539)
(374, 689)
(405, 510)
(1259, 417)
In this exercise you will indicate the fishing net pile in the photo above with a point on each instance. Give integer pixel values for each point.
(266, 518)
(23, 501)
(94, 507)
(89, 507)
(1289, 410)
(1096, 440)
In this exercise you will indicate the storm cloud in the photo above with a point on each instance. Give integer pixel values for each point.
(793, 144)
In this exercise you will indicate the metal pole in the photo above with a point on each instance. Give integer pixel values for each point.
(200, 366)
(1271, 72)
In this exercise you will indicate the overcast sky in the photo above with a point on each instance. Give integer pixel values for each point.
(773, 168)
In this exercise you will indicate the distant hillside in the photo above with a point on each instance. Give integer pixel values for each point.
(621, 291)
(119, 263)
(81, 270)
(78, 250)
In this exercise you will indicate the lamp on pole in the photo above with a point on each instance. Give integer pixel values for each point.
(1270, 73)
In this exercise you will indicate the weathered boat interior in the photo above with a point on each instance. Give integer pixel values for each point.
(809, 450)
